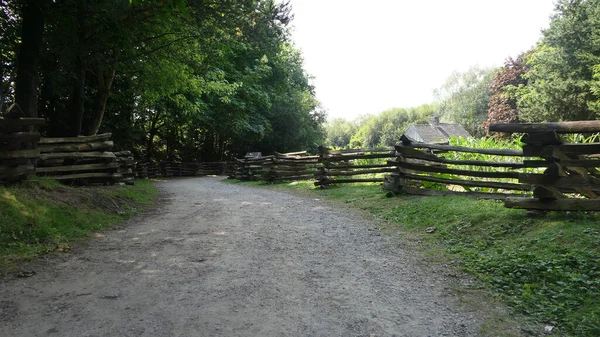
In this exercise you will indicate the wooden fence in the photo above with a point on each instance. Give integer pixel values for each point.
(354, 165)
(18, 148)
(290, 166)
(434, 169)
(571, 180)
(82, 159)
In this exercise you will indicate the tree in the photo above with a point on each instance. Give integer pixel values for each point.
(464, 98)
(339, 132)
(502, 106)
(562, 82)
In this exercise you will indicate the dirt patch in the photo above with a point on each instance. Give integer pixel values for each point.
(227, 260)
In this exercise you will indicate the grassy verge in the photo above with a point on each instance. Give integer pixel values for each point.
(547, 268)
(44, 216)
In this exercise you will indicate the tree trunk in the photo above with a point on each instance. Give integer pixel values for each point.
(26, 86)
(77, 99)
(105, 80)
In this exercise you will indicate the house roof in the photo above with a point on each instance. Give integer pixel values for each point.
(437, 133)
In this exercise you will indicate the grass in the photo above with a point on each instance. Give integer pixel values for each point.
(545, 268)
(43, 216)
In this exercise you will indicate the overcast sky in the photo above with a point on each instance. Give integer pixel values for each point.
(369, 56)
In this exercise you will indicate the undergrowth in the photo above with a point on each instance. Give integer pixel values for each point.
(44, 216)
(546, 268)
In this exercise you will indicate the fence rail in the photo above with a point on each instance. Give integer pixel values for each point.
(571, 180)
(18, 148)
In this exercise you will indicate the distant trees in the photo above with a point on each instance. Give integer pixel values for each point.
(384, 129)
(464, 98)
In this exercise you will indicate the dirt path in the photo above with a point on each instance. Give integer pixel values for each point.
(218, 259)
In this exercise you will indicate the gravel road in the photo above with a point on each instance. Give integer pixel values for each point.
(218, 259)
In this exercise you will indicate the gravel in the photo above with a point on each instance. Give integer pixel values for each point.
(218, 259)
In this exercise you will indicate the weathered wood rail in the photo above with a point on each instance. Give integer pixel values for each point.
(571, 180)
(354, 165)
(290, 166)
(82, 160)
(430, 169)
(18, 148)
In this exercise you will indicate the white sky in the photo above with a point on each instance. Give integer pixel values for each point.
(371, 55)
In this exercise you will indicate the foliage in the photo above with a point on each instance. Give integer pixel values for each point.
(47, 216)
(563, 79)
(196, 80)
(339, 132)
(464, 98)
(502, 105)
(386, 128)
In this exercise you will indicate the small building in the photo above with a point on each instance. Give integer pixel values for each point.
(434, 132)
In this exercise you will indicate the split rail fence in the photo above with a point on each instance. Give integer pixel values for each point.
(570, 180)
(18, 148)
(434, 169)
(352, 166)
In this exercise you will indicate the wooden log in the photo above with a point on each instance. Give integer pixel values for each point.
(559, 127)
(9, 173)
(355, 151)
(19, 137)
(76, 147)
(469, 183)
(431, 192)
(123, 154)
(438, 169)
(546, 193)
(569, 162)
(361, 156)
(543, 138)
(416, 154)
(359, 172)
(20, 154)
(347, 181)
(77, 155)
(553, 205)
(88, 175)
(569, 149)
(562, 183)
(73, 168)
(78, 139)
(497, 152)
(14, 123)
(344, 166)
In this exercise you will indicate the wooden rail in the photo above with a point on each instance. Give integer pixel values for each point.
(571, 180)
(18, 148)
(353, 166)
(425, 167)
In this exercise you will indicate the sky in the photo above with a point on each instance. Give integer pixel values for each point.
(370, 56)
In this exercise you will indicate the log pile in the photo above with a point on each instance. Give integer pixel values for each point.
(176, 169)
(249, 168)
(212, 168)
(571, 180)
(423, 170)
(290, 166)
(18, 148)
(126, 166)
(355, 165)
(82, 160)
(147, 170)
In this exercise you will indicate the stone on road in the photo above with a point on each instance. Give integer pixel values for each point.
(219, 259)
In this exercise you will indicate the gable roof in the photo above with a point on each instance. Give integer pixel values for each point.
(434, 134)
